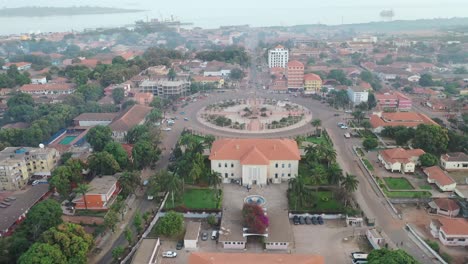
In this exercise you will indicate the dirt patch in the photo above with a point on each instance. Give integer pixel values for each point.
(88, 220)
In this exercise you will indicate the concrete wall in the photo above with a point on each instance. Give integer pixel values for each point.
(448, 165)
(233, 245)
(277, 245)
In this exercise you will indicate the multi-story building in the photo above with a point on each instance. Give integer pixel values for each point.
(278, 57)
(358, 95)
(255, 161)
(165, 88)
(295, 75)
(393, 101)
(17, 165)
(312, 83)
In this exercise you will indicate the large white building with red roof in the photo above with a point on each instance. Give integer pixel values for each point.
(278, 57)
(408, 119)
(450, 231)
(255, 161)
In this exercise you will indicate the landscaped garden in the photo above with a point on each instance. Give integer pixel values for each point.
(197, 199)
(368, 164)
(401, 194)
(317, 140)
(398, 183)
(425, 187)
(320, 202)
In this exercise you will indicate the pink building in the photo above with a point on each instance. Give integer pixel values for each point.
(394, 101)
(295, 75)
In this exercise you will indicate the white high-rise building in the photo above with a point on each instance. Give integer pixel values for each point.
(278, 57)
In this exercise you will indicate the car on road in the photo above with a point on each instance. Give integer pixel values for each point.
(180, 245)
(320, 220)
(348, 111)
(344, 127)
(169, 254)
(186, 119)
(167, 129)
(308, 221)
(340, 124)
(204, 236)
(336, 115)
(296, 220)
(182, 113)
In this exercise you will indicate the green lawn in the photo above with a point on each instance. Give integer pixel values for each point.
(408, 194)
(317, 140)
(425, 187)
(195, 199)
(398, 184)
(323, 201)
(368, 164)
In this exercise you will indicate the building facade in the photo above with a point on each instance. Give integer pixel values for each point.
(165, 88)
(255, 161)
(278, 57)
(17, 165)
(358, 95)
(295, 75)
(450, 232)
(399, 159)
(312, 83)
(103, 192)
(437, 176)
(454, 161)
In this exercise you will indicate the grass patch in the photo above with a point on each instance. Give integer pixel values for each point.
(408, 194)
(322, 202)
(361, 153)
(398, 184)
(196, 199)
(317, 140)
(90, 213)
(368, 164)
(367, 134)
(425, 187)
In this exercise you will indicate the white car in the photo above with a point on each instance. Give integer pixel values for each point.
(169, 254)
(167, 129)
(348, 111)
(344, 127)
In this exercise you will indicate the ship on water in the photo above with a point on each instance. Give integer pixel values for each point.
(162, 24)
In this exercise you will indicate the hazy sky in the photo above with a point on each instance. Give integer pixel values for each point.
(213, 13)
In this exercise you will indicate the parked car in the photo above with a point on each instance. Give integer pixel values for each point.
(344, 127)
(320, 220)
(204, 236)
(336, 115)
(186, 119)
(180, 245)
(308, 221)
(314, 220)
(167, 129)
(214, 235)
(169, 254)
(296, 220)
(301, 220)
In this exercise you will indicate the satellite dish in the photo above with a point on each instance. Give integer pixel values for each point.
(41, 146)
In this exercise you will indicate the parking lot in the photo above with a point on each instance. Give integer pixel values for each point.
(332, 240)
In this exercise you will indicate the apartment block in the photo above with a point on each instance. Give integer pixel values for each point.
(278, 57)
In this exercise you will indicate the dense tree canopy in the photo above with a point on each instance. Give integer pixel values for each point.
(385, 256)
(41, 217)
(170, 224)
(428, 160)
(103, 163)
(99, 136)
(231, 54)
(431, 138)
(41, 253)
(118, 152)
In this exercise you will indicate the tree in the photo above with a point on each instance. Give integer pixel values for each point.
(99, 136)
(103, 163)
(41, 253)
(129, 181)
(350, 183)
(386, 256)
(20, 99)
(359, 116)
(41, 217)
(254, 218)
(170, 224)
(60, 180)
(431, 138)
(171, 75)
(118, 94)
(316, 123)
(460, 70)
(171, 183)
(72, 239)
(334, 174)
(136, 133)
(111, 219)
(297, 191)
(426, 80)
(137, 222)
(370, 143)
(128, 235)
(366, 76)
(144, 154)
(118, 152)
(117, 252)
(118, 60)
(83, 189)
(237, 74)
(428, 160)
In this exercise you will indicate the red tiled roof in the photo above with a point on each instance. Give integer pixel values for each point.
(18, 64)
(252, 258)
(437, 174)
(47, 87)
(455, 156)
(400, 155)
(446, 204)
(130, 118)
(454, 226)
(295, 63)
(409, 119)
(312, 77)
(255, 151)
(207, 78)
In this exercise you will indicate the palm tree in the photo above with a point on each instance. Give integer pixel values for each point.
(358, 115)
(172, 184)
(214, 179)
(326, 152)
(299, 140)
(198, 167)
(316, 123)
(297, 187)
(83, 189)
(334, 174)
(350, 183)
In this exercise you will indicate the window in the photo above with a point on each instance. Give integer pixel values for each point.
(232, 174)
(289, 174)
(282, 165)
(219, 165)
(461, 239)
(225, 165)
(225, 175)
(465, 165)
(276, 165)
(232, 165)
(289, 165)
(276, 175)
